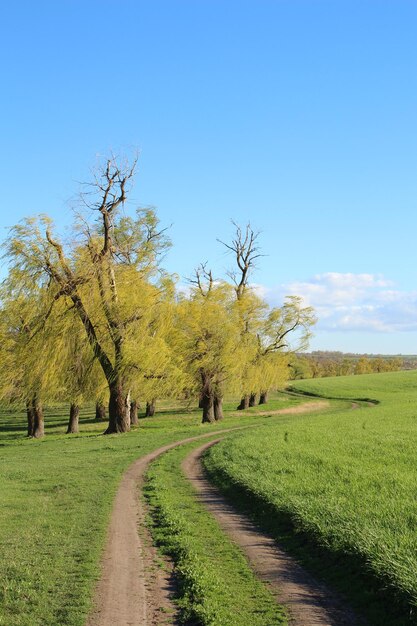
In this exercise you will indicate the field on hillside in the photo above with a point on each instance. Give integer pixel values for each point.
(56, 496)
(340, 489)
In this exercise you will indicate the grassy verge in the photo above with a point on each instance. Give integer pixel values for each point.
(56, 496)
(217, 587)
(339, 491)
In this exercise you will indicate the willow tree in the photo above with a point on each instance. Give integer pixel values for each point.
(159, 372)
(246, 251)
(101, 274)
(277, 331)
(273, 334)
(284, 331)
(29, 359)
(79, 377)
(209, 329)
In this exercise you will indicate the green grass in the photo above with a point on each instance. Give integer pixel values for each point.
(217, 587)
(55, 501)
(340, 490)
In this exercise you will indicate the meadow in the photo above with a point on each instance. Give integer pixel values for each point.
(336, 487)
(339, 489)
(56, 496)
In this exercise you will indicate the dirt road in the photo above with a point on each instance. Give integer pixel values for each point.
(135, 591)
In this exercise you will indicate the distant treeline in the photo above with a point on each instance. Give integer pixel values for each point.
(321, 364)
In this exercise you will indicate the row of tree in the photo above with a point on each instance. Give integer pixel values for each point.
(96, 317)
(310, 366)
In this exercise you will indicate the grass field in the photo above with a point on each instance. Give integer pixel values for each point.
(340, 489)
(56, 496)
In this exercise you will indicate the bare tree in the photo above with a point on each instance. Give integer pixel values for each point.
(246, 250)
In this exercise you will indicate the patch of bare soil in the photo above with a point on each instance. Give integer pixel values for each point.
(309, 602)
(306, 407)
(134, 589)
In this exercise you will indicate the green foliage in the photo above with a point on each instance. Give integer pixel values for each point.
(323, 364)
(208, 335)
(101, 300)
(273, 335)
(30, 351)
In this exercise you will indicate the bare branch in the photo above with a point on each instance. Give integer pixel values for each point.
(202, 279)
(246, 250)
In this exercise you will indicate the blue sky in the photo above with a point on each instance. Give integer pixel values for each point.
(298, 115)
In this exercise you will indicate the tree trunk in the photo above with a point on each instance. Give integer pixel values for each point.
(150, 408)
(263, 397)
(39, 426)
(207, 398)
(201, 401)
(100, 412)
(134, 421)
(252, 399)
(31, 418)
(73, 419)
(218, 408)
(244, 403)
(208, 408)
(119, 420)
(127, 409)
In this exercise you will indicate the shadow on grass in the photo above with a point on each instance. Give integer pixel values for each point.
(310, 394)
(371, 595)
(173, 412)
(13, 425)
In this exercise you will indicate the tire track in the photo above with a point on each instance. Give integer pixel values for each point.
(309, 602)
(133, 589)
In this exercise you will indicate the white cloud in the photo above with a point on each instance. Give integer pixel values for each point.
(352, 302)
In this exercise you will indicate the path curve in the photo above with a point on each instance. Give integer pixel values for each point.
(309, 602)
(133, 590)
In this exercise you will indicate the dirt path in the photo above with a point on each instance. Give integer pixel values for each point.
(306, 407)
(309, 603)
(134, 590)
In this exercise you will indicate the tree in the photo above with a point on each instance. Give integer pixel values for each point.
(246, 250)
(30, 359)
(105, 275)
(278, 330)
(79, 374)
(363, 366)
(208, 332)
(134, 408)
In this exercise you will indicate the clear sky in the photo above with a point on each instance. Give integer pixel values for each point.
(298, 115)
